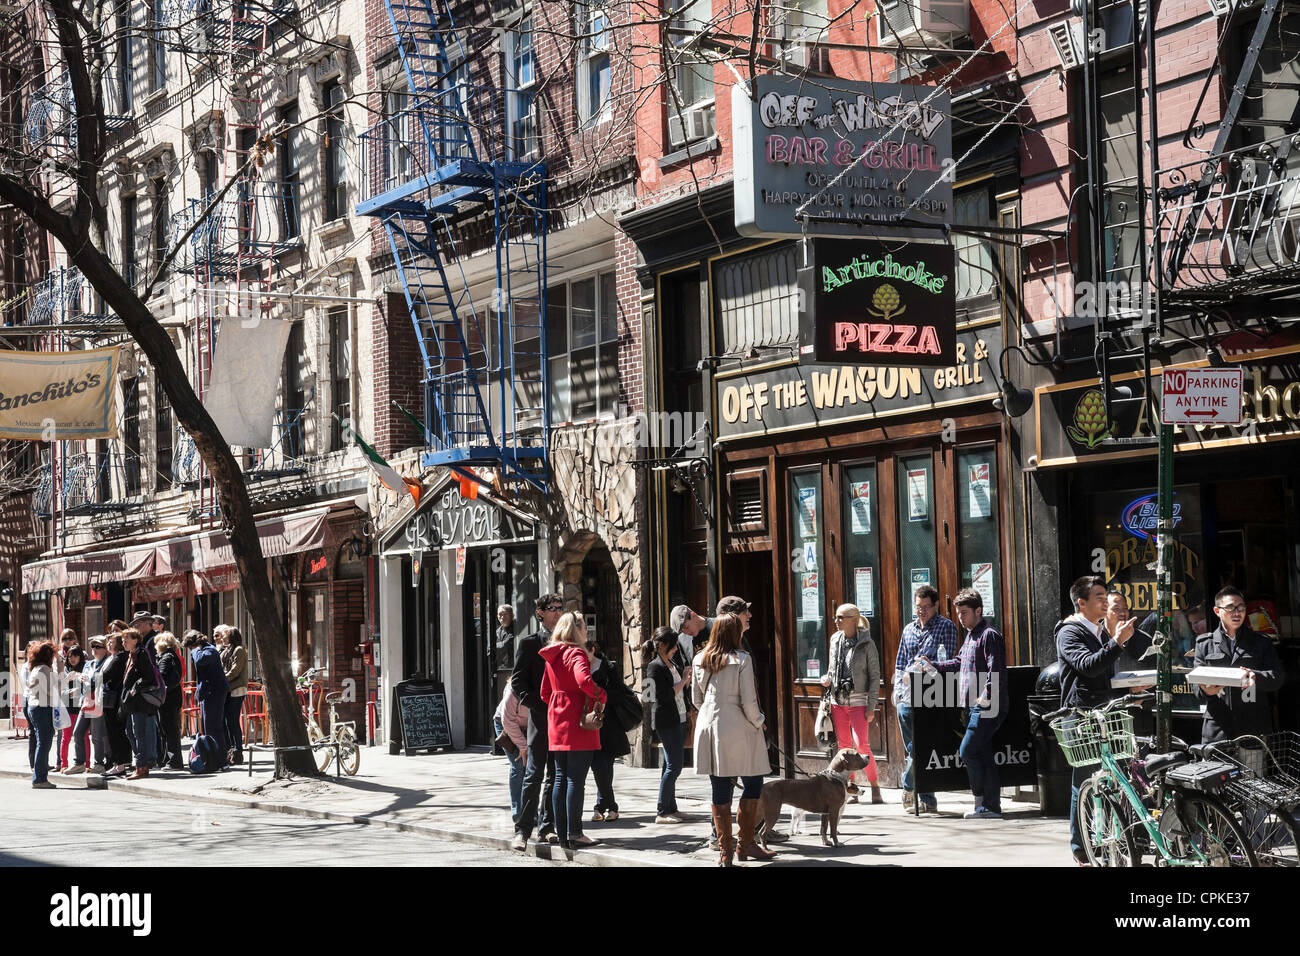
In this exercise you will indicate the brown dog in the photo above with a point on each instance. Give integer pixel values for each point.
(824, 793)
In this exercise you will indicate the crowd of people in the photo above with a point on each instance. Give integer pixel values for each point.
(118, 711)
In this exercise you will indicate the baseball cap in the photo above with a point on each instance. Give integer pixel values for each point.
(681, 614)
(733, 605)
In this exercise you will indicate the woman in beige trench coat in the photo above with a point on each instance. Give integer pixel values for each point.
(729, 738)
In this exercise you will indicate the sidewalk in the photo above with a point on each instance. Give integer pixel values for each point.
(462, 796)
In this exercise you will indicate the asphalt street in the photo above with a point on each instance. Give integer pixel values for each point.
(76, 827)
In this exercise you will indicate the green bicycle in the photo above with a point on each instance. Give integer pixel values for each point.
(1167, 805)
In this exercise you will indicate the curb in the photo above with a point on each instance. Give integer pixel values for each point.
(589, 857)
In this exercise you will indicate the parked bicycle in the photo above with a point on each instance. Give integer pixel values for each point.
(342, 737)
(1166, 803)
(1266, 792)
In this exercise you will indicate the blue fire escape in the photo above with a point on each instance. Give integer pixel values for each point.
(443, 161)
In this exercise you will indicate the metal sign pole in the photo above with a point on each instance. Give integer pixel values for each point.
(1164, 592)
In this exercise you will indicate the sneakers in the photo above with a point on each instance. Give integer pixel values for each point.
(519, 842)
(597, 817)
(679, 816)
(611, 816)
(43, 785)
(909, 799)
(982, 813)
(98, 768)
(76, 768)
(928, 807)
(665, 818)
(118, 771)
(546, 834)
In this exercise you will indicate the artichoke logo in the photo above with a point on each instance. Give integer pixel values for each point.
(886, 301)
(1089, 426)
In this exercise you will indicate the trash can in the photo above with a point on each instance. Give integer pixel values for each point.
(1054, 771)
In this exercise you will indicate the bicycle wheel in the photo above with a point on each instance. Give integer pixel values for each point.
(316, 737)
(1273, 834)
(349, 752)
(1199, 827)
(1106, 837)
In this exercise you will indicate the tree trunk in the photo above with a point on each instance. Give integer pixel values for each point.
(287, 724)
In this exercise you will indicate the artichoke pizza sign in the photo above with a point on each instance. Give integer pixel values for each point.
(868, 302)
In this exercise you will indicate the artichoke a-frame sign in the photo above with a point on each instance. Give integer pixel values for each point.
(871, 302)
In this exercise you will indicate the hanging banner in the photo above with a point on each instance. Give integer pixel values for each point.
(47, 396)
(246, 370)
(167, 588)
(216, 580)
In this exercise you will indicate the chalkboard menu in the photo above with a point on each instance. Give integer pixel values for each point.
(422, 707)
(937, 733)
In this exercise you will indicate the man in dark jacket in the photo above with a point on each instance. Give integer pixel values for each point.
(212, 688)
(1086, 652)
(1233, 711)
(526, 681)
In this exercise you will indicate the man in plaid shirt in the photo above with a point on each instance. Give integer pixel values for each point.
(934, 637)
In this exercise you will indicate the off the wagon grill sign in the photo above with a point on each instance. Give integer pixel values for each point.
(877, 303)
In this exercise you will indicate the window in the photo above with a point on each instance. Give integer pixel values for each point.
(290, 223)
(161, 220)
(806, 584)
(521, 73)
(162, 432)
(453, 102)
(976, 274)
(336, 193)
(582, 344)
(399, 162)
(125, 59)
(798, 26)
(128, 252)
(131, 436)
(340, 373)
(294, 385)
(208, 174)
(690, 99)
(978, 548)
(158, 46)
(860, 511)
(593, 62)
(915, 528)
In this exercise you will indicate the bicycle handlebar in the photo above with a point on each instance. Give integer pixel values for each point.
(1128, 700)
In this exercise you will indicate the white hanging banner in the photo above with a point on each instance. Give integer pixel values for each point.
(245, 373)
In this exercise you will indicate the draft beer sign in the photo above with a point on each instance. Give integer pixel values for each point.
(878, 303)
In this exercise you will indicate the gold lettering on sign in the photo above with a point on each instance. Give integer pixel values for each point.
(963, 373)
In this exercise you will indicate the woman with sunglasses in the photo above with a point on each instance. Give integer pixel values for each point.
(854, 683)
(570, 692)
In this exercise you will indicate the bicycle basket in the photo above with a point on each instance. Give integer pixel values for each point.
(1081, 738)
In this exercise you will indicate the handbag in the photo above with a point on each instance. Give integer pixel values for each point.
(153, 695)
(626, 706)
(505, 743)
(592, 719)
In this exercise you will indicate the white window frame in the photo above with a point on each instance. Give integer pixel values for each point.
(399, 160)
(798, 26)
(521, 105)
(688, 14)
(562, 403)
(594, 45)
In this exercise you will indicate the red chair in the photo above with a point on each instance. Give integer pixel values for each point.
(255, 714)
(191, 719)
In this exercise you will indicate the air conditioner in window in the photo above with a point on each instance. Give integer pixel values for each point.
(924, 22)
(691, 125)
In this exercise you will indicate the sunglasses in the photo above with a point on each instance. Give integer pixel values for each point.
(553, 607)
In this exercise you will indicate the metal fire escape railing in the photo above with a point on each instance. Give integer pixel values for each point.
(86, 482)
(52, 111)
(441, 160)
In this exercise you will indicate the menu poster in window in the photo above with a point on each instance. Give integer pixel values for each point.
(807, 512)
(920, 576)
(812, 605)
(918, 496)
(981, 580)
(864, 592)
(813, 668)
(978, 480)
(860, 507)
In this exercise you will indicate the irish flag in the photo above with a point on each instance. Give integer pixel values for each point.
(387, 474)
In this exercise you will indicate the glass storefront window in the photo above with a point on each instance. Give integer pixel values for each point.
(862, 544)
(916, 512)
(978, 564)
(806, 583)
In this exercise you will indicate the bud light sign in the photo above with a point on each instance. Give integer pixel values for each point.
(1141, 517)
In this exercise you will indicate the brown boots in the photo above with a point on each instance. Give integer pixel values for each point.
(722, 824)
(749, 848)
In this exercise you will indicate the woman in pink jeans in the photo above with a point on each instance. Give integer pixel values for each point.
(854, 682)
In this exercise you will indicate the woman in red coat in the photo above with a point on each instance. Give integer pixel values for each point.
(569, 691)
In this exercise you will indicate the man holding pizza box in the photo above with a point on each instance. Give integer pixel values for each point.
(1249, 669)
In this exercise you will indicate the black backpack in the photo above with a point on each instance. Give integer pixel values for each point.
(204, 757)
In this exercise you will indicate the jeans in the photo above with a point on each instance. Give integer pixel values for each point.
(535, 802)
(31, 736)
(41, 721)
(976, 752)
(99, 741)
(214, 722)
(724, 788)
(571, 768)
(674, 741)
(516, 776)
(851, 729)
(234, 733)
(602, 768)
(1078, 776)
(905, 728)
(143, 729)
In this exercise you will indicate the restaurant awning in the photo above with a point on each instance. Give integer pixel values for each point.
(288, 534)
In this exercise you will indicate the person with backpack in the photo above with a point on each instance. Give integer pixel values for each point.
(211, 690)
(169, 715)
(142, 694)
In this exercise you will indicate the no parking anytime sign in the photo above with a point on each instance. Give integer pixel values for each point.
(1201, 396)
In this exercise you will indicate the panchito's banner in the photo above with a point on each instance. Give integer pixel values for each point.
(46, 396)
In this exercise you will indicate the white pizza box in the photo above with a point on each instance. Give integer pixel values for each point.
(1134, 679)
(1220, 676)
